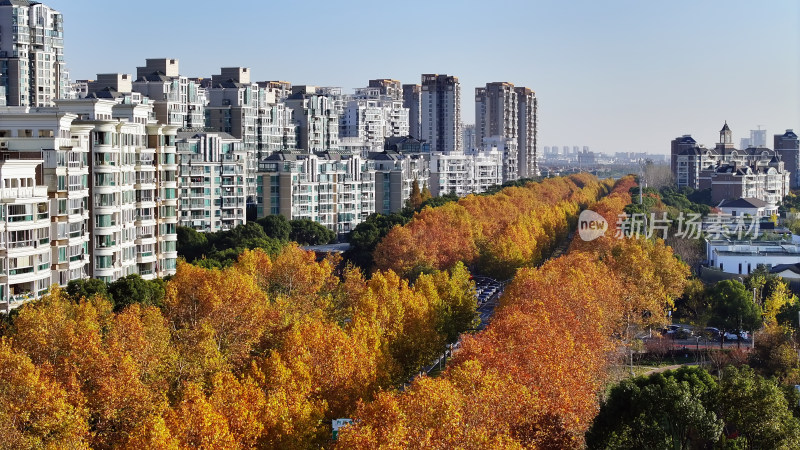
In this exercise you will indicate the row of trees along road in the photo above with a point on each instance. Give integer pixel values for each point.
(266, 351)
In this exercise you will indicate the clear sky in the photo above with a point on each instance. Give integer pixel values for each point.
(614, 75)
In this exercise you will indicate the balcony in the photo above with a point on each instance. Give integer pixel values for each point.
(23, 192)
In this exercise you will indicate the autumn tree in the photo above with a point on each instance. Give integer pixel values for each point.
(224, 305)
(35, 409)
(415, 198)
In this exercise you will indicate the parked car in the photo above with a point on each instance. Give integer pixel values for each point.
(678, 331)
(712, 332)
(731, 336)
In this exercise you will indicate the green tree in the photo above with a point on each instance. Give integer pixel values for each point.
(756, 409)
(308, 232)
(733, 307)
(85, 288)
(673, 409)
(366, 235)
(191, 244)
(276, 226)
(134, 289)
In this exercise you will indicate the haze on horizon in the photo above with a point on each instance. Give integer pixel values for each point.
(621, 75)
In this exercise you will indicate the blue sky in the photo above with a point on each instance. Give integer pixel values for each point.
(614, 75)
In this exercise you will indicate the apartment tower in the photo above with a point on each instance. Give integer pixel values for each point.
(441, 112)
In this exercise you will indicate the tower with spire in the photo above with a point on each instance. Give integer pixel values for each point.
(725, 137)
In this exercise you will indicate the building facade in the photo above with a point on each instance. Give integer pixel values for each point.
(788, 148)
(336, 191)
(412, 99)
(32, 67)
(441, 113)
(211, 180)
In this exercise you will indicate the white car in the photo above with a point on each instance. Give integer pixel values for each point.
(744, 335)
(731, 336)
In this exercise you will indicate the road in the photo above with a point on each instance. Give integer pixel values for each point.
(485, 310)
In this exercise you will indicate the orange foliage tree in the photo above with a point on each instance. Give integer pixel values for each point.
(517, 227)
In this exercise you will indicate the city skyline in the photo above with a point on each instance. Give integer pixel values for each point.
(616, 76)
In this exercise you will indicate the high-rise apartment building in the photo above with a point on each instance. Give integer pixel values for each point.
(441, 112)
(373, 114)
(527, 132)
(336, 191)
(496, 122)
(233, 108)
(211, 180)
(389, 88)
(316, 118)
(25, 226)
(412, 99)
(133, 184)
(495, 111)
(787, 147)
(275, 127)
(177, 100)
(32, 67)
(503, 111)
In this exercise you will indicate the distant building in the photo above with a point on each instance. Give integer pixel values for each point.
(211, 179)
(32, 67)
(469, 137)
(441, 113)
(758, 138)
(742, 257)
(748, 207)
(412, 99)
(336, 191)
(788, 148)
(757, 172)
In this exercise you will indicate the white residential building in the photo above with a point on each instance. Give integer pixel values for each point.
(450, 173)
(211, 180)
(486, 169)
(336, 191)
(509, 152)
(373, 119)
(742, 257)
(32, 67)
(177, 100)
(63, 147)
(24, 233)
(133, 183)
(316, 118)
